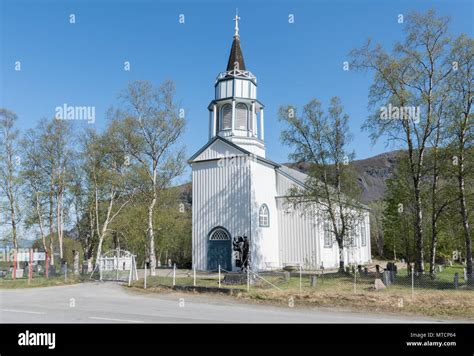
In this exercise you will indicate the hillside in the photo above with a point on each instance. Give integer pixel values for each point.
(372, 174)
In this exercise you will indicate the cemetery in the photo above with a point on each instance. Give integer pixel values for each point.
(360, 289)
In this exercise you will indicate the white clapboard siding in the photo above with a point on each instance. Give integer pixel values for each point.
(283, 185)
(298, 236)
(220, 198)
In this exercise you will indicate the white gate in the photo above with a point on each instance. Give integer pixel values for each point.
(117, 265)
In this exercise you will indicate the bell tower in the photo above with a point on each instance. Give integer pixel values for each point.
(235, 113)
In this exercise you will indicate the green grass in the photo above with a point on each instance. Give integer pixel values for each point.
(159, 281)
(435, 298)
(442, 280)
(8, 283)
(326, 282)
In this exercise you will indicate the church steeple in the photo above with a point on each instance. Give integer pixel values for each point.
(235, 113)
(236, 57)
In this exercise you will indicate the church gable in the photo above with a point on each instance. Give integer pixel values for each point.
(217, 149)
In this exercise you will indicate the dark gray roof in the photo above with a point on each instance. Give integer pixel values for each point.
(298, 176)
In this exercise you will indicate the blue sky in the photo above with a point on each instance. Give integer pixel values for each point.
(82, 63)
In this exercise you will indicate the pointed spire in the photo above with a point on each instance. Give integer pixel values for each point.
(236, 57)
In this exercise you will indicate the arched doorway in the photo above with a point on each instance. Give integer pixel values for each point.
(219, 251)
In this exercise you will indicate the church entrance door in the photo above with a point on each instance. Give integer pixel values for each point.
(219, 250)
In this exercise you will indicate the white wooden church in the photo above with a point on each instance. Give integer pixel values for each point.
(237, 191)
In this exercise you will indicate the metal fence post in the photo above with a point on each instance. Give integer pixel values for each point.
(46, 266)
(100, 268)
(14, 264)
(135, 267)
(194, 276)
(65, 271)
(30, 267)
(248, 278)
(144, 280)
(301, 276)
(174, 274)
(355, 281)
(412, 282)
(117, 259)
(219, 276)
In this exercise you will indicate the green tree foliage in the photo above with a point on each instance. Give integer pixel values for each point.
(321, 140)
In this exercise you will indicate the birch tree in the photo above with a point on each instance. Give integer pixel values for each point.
(150, 126)
(108, 178)
(321, 140)
(406, 90)
(461, 127)
(35, 185)
(51, 159)
(10, 179)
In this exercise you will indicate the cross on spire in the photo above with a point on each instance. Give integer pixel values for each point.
(236, 19)
(236, 58)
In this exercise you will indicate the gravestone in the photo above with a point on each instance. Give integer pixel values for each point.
(84, 267)
(313, 281)
(387, 277)
(392, 268)
(440, 268)
(287, 276)
(379, 284)
(237, 278)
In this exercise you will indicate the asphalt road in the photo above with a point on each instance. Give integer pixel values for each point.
(108, 302)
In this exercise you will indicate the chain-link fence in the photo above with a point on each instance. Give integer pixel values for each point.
(356, 279)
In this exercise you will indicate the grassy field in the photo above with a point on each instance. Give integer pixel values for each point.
(429, 298)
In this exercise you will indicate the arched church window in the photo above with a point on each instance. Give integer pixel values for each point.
(241, 116)
(219, 234)
(264, 216)
(226, 117)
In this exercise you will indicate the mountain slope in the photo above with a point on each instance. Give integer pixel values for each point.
(372, 173)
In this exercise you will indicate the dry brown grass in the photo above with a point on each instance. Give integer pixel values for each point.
(444, 304)
(335, 291)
